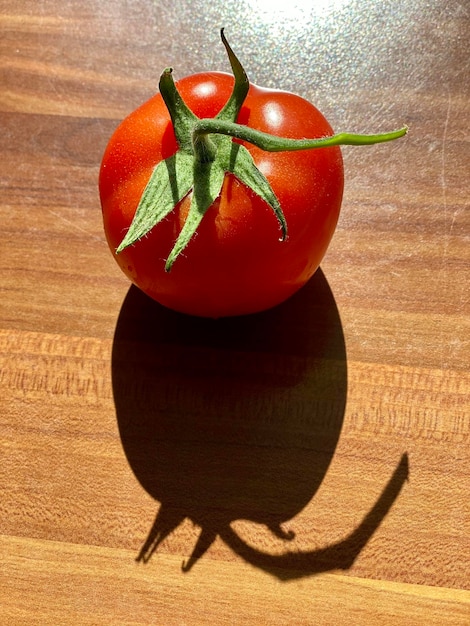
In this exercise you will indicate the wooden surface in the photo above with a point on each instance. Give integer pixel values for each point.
(306, 466)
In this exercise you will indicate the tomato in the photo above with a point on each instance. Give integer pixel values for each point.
(236, 262)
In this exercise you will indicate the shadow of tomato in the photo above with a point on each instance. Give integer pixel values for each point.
(237, 418)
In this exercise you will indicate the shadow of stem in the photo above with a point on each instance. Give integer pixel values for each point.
(341, 555)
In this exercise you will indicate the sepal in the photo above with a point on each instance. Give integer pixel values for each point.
(170, 182)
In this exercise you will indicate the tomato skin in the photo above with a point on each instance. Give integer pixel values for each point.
(235, 263)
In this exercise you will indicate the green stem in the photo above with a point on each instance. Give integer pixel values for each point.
(205, 150)
(272, 143)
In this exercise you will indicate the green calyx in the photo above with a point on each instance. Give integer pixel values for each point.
(206, 153)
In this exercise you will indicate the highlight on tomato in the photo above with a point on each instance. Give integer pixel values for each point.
(220, 198)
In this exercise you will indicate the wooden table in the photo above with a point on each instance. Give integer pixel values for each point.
(309, 465)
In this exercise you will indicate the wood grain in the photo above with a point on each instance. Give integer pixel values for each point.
(309, 465)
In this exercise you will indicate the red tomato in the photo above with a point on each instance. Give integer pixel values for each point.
(235, 263)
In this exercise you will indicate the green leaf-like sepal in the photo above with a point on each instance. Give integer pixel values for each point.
(230, 111)
(241, 165)
(208, 180)
(170, 182)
